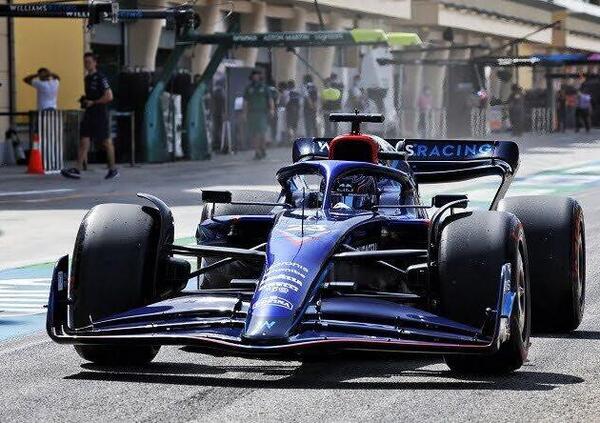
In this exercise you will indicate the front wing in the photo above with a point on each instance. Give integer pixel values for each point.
(213, 323)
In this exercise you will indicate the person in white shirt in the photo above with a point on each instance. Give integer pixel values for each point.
(46, 84)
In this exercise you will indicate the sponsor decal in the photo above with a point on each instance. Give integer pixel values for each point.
(286, 36)
(273, 300)
(508, 61)
(448, 150)
(290, 264)
(432, 150)
(367, 247)
(283, 278)
(329, 36)
(276, 286)
(244, 38)
(309, 230)
(323, 146)
(61, 281)
(77, 15)
(288, 270)
(268, 325)
(29, 8)
(130, 14)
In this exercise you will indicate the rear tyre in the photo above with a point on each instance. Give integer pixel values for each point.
(112, 262)
(473, 252)
(221, 277)
(555, 231)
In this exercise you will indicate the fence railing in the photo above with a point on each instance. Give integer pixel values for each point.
(59, 135)
(50, 129)
(479, 122)
(431, 123)
(541, 120)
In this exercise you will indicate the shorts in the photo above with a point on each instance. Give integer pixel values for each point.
(95, 126)
(257, 124)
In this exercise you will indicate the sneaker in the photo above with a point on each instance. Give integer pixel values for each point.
(112, 173)
(72, 173)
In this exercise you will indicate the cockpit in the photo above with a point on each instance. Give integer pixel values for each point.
(355, 190)
(353, 193)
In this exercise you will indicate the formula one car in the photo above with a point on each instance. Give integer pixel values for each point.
(344, 256)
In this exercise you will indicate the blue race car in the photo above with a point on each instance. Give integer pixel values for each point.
(344, 256)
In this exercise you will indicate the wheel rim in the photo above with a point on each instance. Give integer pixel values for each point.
(519, 275)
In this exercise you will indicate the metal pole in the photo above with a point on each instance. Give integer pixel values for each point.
(132, 157)
(11, 66)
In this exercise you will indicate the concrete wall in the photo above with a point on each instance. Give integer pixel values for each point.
(56, 44)
(144, 37)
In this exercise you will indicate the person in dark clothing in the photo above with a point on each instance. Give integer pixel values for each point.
(274, 120)
(516, 110)
(355, 96)
(258, 108)
(292, 109)
(311, 100)
(561, 109)
(218, 109)
(583, 111)
(95, 122)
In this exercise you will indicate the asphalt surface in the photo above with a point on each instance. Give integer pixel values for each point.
(561, 381)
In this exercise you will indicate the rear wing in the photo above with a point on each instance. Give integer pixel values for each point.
(437, 161)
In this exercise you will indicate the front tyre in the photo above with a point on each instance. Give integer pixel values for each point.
(478, 252)
(113, 260)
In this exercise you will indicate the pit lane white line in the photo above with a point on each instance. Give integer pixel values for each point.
(36, 192)
(25, 282)
(23, 297)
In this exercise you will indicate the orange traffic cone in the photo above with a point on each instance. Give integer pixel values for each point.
(35, 157)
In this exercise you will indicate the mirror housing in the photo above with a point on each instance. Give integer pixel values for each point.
(441, 200)
(219, 197)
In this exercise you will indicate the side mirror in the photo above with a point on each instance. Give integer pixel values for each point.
(221, 197)
(441, 200)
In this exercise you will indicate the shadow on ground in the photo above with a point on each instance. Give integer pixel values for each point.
(343, 374)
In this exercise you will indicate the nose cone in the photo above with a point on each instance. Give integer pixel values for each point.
(268, 329)
(278, 300)
(296, 260)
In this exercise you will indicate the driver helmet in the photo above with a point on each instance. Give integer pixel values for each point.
(356, 192)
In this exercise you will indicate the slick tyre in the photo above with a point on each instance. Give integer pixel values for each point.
(221, 277)
(476, 251)
(112, 261)
(555, 231)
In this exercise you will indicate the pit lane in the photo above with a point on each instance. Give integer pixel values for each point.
(41, 380)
